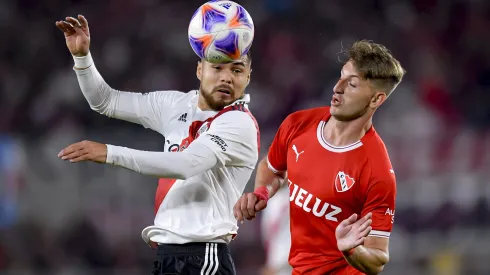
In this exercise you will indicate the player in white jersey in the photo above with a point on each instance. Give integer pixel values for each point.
(276, 235)
(216, 144)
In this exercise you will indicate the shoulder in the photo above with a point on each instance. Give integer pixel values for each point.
(174, 97)
(235, 117)
(379, 160)
(307, 114)
(304, 119)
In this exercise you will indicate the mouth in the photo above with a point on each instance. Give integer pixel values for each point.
(335, 101)
(224, 91)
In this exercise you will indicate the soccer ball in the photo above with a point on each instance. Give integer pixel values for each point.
(221, 31)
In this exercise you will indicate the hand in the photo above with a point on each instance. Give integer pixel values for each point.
(351, 233)
(247, 206)
(85, 151)
(77, 35)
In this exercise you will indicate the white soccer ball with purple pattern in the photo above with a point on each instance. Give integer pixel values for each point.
(221, 31)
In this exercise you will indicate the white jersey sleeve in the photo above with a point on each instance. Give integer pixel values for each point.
(230, 141)
(147, 109)
(177, 165)
(232, 136)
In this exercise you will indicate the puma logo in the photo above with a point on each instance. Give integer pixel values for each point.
(296, 152)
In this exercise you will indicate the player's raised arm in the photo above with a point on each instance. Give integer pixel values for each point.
(145, 109)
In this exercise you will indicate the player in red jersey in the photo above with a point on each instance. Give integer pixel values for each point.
(341, 182)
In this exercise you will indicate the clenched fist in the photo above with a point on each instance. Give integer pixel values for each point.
(247, 206)
(77, 35)
(85, 151)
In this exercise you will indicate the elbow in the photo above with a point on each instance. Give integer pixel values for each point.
(184, 175)
(376, 270)
(101, 109)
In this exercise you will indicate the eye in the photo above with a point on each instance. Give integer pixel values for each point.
(217, 68)
(352, 85)
(237, 71)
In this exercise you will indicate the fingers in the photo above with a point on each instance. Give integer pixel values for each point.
(244, 208)
(368, 216)
(83, 157)
(70, 149)
(359, 241)
(237, 210)
(251, 201)
(70, 25)
(350, 220)
(261, 205)
(74, 22)
(364, 225)
(366, 231)
(74, 153)
(247, 207)
(83, 21)
(65, 27)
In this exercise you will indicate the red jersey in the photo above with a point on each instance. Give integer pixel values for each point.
(327, 184)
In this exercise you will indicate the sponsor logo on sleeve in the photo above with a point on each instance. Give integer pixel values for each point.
(219, 141)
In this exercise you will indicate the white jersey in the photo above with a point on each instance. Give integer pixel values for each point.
(276, 235)
(209, 167)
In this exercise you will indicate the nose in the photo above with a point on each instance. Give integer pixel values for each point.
(226, 77)
(339, 87)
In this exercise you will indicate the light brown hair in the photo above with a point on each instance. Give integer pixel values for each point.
(375, 63)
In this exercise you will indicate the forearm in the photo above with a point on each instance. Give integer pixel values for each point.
(95, 90)
(100, 96)
(176, 165)
(265, 178)
(367, 260)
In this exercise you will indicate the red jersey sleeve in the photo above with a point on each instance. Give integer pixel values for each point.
(380, 200)
(277, 156)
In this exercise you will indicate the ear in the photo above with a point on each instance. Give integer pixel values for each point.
(199, 70)
(249, 76)
(378, 99)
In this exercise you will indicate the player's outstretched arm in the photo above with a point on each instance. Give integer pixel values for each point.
(133, 107)
(180, 165)
(225, 143)
(366, 253)
(266, 185)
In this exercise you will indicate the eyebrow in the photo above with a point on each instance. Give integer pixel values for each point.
(238, 63)
(350, 75)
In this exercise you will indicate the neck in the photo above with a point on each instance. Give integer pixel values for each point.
(342, 133)
(202, 104)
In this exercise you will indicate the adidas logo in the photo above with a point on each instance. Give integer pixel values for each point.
(226, 5)
(183, 117)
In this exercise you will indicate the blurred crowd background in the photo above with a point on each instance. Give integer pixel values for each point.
(58, 218)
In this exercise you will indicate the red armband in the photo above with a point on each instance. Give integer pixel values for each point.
(262, 193)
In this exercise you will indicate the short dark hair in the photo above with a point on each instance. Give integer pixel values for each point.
(375, 63)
